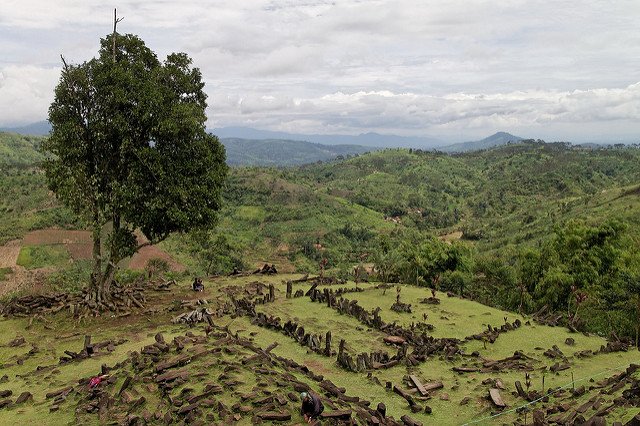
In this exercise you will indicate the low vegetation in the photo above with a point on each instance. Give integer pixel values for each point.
(534, 232)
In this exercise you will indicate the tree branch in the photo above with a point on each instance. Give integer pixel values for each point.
(115, 23)
(150, 243)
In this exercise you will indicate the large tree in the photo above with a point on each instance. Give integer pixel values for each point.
(129, 151)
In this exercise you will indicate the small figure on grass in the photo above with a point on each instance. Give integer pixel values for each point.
(197, 284)
(95, 381)
(311, 407)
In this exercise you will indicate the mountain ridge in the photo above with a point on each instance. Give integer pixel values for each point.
(497, 139)
(370, 139)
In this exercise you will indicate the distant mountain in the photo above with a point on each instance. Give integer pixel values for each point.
(41, 128)
(280, 152)
(364, 139)
(498, 139)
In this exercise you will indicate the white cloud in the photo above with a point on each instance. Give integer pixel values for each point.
(447, 66)
(26, 92)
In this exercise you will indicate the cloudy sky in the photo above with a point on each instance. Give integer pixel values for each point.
(454, 69)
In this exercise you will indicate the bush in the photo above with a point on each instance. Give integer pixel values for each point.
(156, 266)
(71, 279)
(455, 281)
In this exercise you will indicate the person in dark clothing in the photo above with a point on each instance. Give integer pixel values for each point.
(198, 285)
(311, 407)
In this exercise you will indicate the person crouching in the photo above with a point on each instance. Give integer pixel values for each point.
(311, 407)
(198, 285)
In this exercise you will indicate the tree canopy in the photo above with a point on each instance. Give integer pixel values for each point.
(129, 149)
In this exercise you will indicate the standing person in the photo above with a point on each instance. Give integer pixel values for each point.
(311, 407)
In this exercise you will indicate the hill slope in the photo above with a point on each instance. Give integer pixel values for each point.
(19, 151)
(40, 128)
(365, 139)
(497, 139)
(279, 152)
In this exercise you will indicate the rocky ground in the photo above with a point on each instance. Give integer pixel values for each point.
(241, 351)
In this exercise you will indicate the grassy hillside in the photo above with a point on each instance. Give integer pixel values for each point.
(540, 225)
(224, 375)
(19, 151)
(487, 194)
(25, 202)
(504, 209)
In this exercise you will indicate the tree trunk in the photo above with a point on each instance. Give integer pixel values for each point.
(638, 321)
(102, 275)
(96, 274)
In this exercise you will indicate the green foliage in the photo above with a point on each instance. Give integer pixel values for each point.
(33, 257)
(129, 276)
(128, 146)
(279, 152)
(456, 281)
(70, 279)
(156, 267)
(5, 273)
(18, 151)
(216, 253)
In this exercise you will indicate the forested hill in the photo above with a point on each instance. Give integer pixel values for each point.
(17, 150)
(280, 152)
(530, 225)
(512, 196)
(497, 139)
(517, 188)
(527, 222)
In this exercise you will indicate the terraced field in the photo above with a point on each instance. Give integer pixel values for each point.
(249, 363)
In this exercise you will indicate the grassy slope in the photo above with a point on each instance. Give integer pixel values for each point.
(279, 152)
(271, 214)
(55, 334)
(489, 195)
(25, 202)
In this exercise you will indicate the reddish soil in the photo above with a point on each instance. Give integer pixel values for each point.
(140, 259)
(23, 279)
(56, 236)
(80, 250)
(80, 246)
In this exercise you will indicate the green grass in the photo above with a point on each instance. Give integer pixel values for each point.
(54, 334)
(34, 257)
(5, 273)
(464, 318)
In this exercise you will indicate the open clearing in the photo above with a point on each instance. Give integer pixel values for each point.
(227, 376)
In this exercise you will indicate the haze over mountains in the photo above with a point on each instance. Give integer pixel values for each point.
(248, 146)
(497, 139)
(365, 139)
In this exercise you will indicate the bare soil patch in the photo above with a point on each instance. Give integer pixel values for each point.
(57, 236)
(9, 254)
(80, 251)
(23, 279)
(140, 260)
